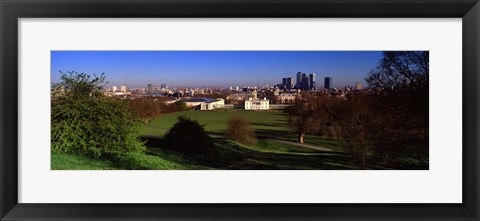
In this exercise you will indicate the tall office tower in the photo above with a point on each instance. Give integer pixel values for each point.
(312, 81)
(299, 80)
(289, 83)
(328, 83)
(149, 88)
(284, 83)
(123, 89)
(114, 88)
(358, 86)
(305, 81)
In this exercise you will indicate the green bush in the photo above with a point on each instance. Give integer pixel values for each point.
(188, 136)
(97, 127)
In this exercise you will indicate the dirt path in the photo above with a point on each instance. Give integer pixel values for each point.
(304, 145)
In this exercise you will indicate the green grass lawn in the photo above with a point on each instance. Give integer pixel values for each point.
(133, 161)
(63, 161)
(268, 123)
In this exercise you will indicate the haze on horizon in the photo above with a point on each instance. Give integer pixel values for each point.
(136, 69)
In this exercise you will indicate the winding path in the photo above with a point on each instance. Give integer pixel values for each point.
(304, 145)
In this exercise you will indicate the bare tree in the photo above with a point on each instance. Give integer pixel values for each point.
(400, 68)
(303, 115)
(239, 130)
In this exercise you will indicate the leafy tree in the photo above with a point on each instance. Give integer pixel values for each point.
(81, 85)
(188, 136)
(99, 128)
(239, 130)
(181, 106)
(85, 122)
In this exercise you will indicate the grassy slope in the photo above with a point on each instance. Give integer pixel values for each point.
(130, 162)
(74, 162)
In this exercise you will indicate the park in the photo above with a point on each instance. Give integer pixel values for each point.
(275, 147)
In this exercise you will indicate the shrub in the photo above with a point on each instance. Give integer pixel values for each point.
(96, 127)
(239, 130)
(188, 136)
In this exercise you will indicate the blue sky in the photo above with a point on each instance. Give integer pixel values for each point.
(215, 68)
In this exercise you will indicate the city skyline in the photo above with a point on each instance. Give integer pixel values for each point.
(137, 69)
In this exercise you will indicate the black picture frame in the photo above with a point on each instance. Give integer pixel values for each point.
(12, 10)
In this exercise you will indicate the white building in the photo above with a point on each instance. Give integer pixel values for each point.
(123, 89)
(205, 103)
(114, 88)
(257, 104)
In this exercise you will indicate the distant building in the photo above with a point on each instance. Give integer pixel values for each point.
(204, 103)
(299, 80)
(149, 88)
(328, 83)
(123, 89)
(257, 104)
(285, 98)
(287, 83)
(358, 86)
(114, 88)
(290, 83)
(305, 81)
(312, 81)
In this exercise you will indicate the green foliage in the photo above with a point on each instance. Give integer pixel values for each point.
(81, 85)
(181, 106)
(100, 127)
(239, 130)
(188, 136)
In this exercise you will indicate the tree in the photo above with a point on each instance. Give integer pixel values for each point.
(303, 115)
(100, 128)
(81, 85)
(189, 137)
(146, 108)
(400, 69)
(239, 130)
(355, 121)
(401, 127)
(85, 122)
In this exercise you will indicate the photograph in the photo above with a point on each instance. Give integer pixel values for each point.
(239, 110)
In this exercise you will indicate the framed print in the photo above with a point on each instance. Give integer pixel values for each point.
(239, 110)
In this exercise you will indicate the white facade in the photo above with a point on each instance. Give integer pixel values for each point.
(257, 104)
(203, 105)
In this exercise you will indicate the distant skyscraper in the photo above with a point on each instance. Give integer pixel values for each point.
(284, 83)
(114, 88)
(290, 83)
(328, 83)
(149, 88)
(305, 81)
(123, 89)
(299, 80)
(312, 81)
(358, 86)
